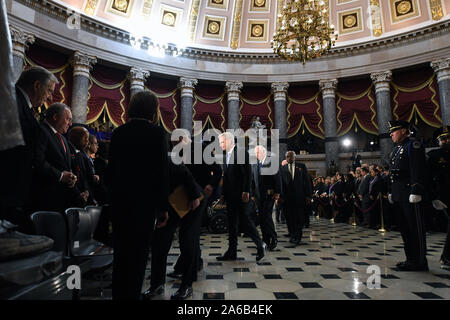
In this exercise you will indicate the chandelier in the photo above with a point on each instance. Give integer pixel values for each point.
(303, 31)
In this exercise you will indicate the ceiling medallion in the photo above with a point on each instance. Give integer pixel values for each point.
(213, 27)
(349, 21)
(121, 5)
(257, 30)
(260, 3)
(169, 19)
(303, 31)
(404, 7)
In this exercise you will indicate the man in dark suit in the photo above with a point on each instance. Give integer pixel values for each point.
(34, 87)
(237, 179)
(296, 187)
(363, 194)
(266, 190)
(137, 180)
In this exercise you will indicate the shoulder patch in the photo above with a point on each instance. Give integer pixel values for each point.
(416, 145)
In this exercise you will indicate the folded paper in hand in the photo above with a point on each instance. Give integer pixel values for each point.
(180, 202)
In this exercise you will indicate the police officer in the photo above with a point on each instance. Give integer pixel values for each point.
(439, 165)
(407, 163)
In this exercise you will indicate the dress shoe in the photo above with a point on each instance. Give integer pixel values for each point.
(182, 294)
(400, 264)
(153, 292)
(261, 252)
(227, 257)
(273, 245)
(408, 266)
(174, 275)
(293, 240)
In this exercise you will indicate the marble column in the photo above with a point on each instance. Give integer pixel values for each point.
(82, 64)
(442, 69)
(20, 41)
(279, 90)
(382, 81)
(328, 88)
(187, 99)
(137, 78)
(233, 91)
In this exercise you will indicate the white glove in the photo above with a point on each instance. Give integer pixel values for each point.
(390, 198)
(438, 205)
(415, 198)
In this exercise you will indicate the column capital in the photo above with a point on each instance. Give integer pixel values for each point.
(442, 69)
(381, 80)
(137, 78)
(187, 86)
(20, 41)
(328, 87)
(279, 90)
(82, 63)
(233, 89)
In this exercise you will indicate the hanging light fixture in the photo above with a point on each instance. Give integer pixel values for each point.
(303, 31)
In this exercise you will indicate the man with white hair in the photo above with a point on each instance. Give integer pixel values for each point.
(237, 179)
(266, 190)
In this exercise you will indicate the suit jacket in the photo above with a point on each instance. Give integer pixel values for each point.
(203, 173)
(376, 186)
(52, 161)
(295, 192)
(237, 178)
(17, 164)
(364, 190)
(264, 186)
(137, 174)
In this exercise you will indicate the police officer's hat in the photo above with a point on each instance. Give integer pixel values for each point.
(397, 125)
(442, 133)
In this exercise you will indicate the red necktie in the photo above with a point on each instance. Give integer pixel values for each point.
(62, 141)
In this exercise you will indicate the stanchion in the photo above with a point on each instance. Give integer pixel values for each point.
(382, 230)
(354, 213)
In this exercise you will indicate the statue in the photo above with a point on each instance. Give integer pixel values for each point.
(256, 124)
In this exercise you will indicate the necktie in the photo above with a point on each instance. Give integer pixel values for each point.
(228, 157)
(259, 168)
(62, 141)
(291, 169)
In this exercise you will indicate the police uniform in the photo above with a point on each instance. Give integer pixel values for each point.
(439, 165)
(407, 167)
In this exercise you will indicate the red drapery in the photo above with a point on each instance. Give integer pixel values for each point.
(416, 93)
(169, 102)
(109, 94)
(58, 64)
(256, 101)
(356, 102)
(304, 105)
(210, 106)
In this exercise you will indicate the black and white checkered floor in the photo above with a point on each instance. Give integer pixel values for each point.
(331, 264)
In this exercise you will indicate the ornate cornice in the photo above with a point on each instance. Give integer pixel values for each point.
(233, 89)
(381, 80)
(187, 86)
(137, 78)
(328, 88)
(20, 41)
(442, 69)
(82, 64)
(279, 90)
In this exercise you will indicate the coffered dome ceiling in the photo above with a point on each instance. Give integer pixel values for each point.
(248, 25)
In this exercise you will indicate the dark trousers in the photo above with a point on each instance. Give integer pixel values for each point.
(239, 211)
(189, 237)
(446, 252)
(295, 217)
(269, 234)
(411, 224)
(133, 228)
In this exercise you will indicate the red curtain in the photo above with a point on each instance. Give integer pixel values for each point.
(416, 93)
(304, 105)
(169, 102)
(58, 64)
(109, 94)
(356, 102)
(210, 103)
(256, 101)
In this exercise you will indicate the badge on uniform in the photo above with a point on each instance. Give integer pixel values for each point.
(416, 145)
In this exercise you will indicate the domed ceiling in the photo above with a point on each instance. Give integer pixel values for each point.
(248, 25)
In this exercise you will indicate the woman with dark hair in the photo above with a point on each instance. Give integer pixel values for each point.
(137, 179)
(339, 200)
